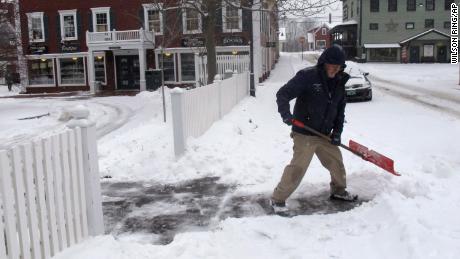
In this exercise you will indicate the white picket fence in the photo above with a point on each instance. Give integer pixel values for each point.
(239, 63)
(195, 110)
(50, 194)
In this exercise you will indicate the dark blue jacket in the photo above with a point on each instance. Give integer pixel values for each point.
(317, 106)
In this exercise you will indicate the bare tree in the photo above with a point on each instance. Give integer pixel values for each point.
(8, 39)
(207, 11)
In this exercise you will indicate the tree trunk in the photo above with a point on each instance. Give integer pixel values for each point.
(210, 38)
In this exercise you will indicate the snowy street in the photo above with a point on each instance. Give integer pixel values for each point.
(212, 202)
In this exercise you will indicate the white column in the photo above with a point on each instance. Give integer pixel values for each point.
(142, 67)
(91, 74)
(257, 42)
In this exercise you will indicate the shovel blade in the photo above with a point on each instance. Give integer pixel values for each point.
(374, 157)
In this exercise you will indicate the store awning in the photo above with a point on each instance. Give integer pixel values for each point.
(382, 46)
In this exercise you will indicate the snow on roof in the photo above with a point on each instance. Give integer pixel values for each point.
(350, 22)
(423, 33)
(380, 46)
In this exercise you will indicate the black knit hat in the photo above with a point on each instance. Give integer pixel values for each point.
(332, 55)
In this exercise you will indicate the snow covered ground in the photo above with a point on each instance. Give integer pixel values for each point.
(412, 216)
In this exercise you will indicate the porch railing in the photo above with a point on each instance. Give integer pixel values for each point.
(120, 36)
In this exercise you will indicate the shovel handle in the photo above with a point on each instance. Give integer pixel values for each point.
(321, 135)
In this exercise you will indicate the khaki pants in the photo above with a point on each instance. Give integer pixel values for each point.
(304, 148)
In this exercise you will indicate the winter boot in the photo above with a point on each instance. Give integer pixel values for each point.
(344, 196)
(278, 207)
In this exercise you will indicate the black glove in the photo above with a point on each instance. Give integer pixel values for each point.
(335, 139)
(287, 118)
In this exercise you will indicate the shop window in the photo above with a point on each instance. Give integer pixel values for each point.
(232, 17)
(99, 69)
(36, 27)
(428, 50)
(41, 72)
(383, 54)
(191, 20)
(169, 67)
(101, 19)
(71, 71)
(68, 20)
(187, 66)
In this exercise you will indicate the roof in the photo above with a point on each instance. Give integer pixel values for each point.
(382, 46)
(424, 33)
(350, 22)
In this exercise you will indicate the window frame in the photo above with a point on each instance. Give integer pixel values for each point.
(149, 7)
(158, 58)
(426, 27)
(179, 57)
(224, 16)
(184, 21)
(376, 6)
(426, 5)
(99, 10)
(58, 69)
(73, 13)
(54, 73)
(392, 4)
(376, 28)
(323, 31)
(411, 5)
(30, 16)
(413, 25)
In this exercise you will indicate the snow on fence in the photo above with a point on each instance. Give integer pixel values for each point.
(225, 63)
(50, 196)
(195, 110)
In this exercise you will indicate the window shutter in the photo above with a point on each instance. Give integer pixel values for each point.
(45, 27)
(112, 20)
(79, 25)
(90, 21)
(58, 29)
(142, 19)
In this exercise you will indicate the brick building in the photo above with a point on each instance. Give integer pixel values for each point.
(70, 45)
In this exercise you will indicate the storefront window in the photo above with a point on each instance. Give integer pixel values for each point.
(187, 66)
(72, 71)
(168, 67)
(99, 69)
(41, 72)
(384, 54)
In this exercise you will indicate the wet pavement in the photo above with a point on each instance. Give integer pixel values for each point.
(196, 205)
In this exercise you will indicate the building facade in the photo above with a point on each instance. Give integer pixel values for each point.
(107, 45)
(395, 30)
(319, 38)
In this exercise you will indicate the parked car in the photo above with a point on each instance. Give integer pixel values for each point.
(358, 87)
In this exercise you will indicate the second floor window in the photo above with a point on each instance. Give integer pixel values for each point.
(68, 20)
(411, 5)
(410, 25)
(191, 21)
(101, 19)
(36, 27)
(323, 31)
(447, 4)
(429, 5)
(345, 13)
(232, 17)
(447, 25)
(153, 19)
(374, 5)
(351, 10)
(392, 5)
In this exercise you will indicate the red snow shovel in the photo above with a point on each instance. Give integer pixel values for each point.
(354, 147)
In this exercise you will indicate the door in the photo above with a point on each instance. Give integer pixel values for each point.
(414, 54)
(442, 54)
(128, 77)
